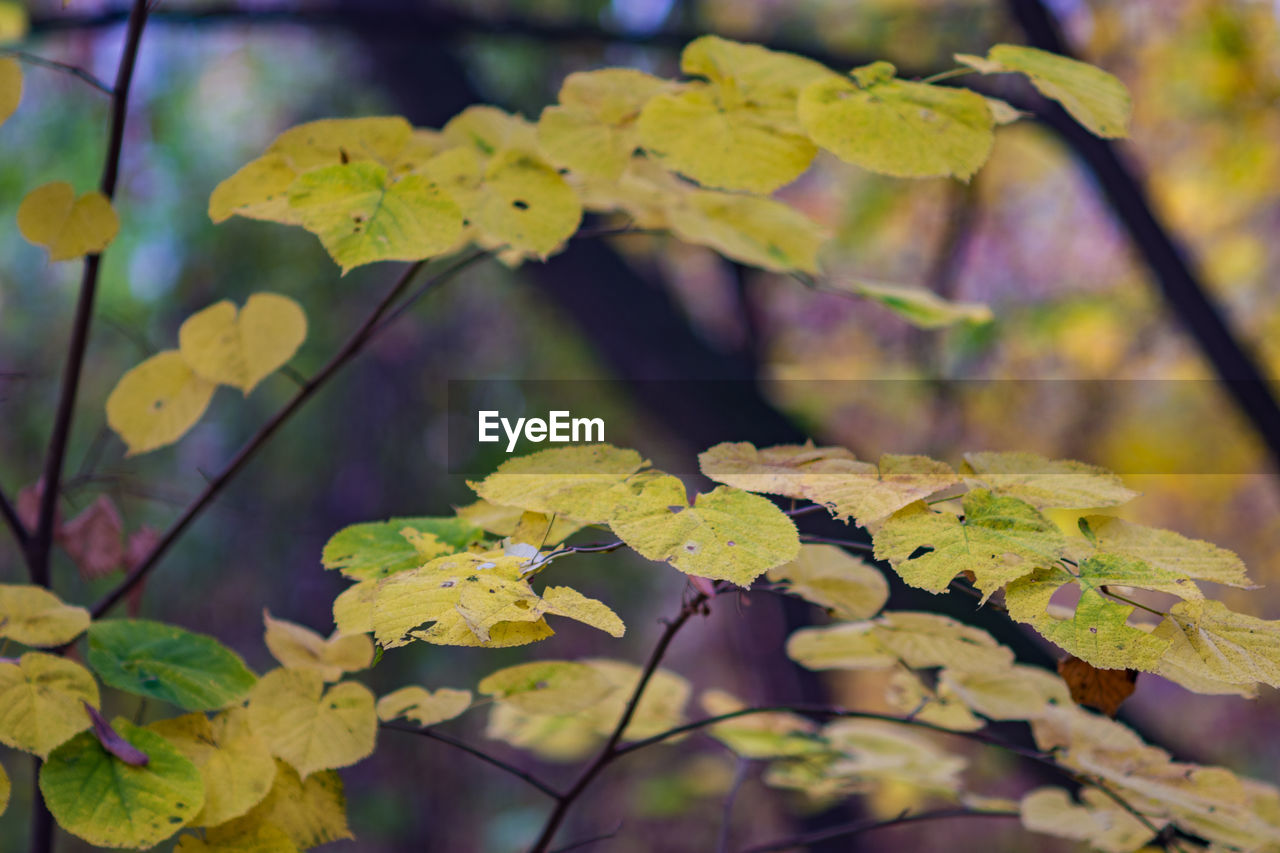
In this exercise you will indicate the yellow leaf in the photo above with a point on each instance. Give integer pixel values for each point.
(725, 534)
(576, 482)
(353, 608)
(526, 204)
(758, 231)
(919, 306)
(42, 701)
(52, 216)
(703, 134)
(14, 25)
(33, 616)
(487, 130)
(897, 127)
(10, 87)
(918, 640)
(1044, 482)
(548, 687)
(259, 190)
(1226, 646)
(909, 695)
(332, 142)
(503, 520)
(759, 76)
(424, 707)
(1168, 550)
(309, 727)
(1099, 821)
(310, 812)
(832, 578)
(363, 214)
(769, 735)
(592, 130)
(1096, 99)
(1014, 692)
(155, 403)
(234, 762)
(778, 470)
(848, 645)
(297, 647)
(571, 604)
(263, 838)
(5, 788)
(243, 348)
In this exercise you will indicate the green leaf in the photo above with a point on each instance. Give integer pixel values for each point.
(725, 534)
(1096, 99)
(918, 306)
(547, 687)
(896, 127)
(310, 727)
(42, 700)
(33, 616)
(193, 671)
(376, 549)
(362, 215)
(1044, 482)
(104, 801)
(999, 540)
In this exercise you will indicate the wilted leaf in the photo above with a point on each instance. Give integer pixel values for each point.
(1103, 689)
(69, 227)
(193, 671)
(155, 403)
(309, 727)
(94, 539)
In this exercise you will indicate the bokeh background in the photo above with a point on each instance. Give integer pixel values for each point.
(1087, 357)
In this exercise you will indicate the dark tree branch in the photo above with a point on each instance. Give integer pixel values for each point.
(851, 829)
(610, 751)
(357, 342)
(13, 522)
(511, 769)
(64, 67)
(38, 550)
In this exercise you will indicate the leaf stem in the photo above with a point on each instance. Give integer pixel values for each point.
(38, 549)
(1133, 603)
(66, 68)
(858, 827)
(611, 751)
(371, 326)
(478, 753)
(946, 75)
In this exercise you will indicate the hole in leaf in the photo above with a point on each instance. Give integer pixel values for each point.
(520, 204)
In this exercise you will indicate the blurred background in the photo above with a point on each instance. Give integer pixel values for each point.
(1045, 234)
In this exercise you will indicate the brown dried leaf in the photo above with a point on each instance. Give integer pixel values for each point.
(94, 539)
(1102, 689)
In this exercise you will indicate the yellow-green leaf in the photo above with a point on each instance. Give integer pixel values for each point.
(33, 616)
(263, 838)
(999, 540)
(69, 227)
(5, 788)
(234, 762)
(769, 735)
(1167, 550)
(10, 87)
(524, 203)
(375, 549)
(242, 348)
(577, 482)
(918, 306)
(778, 470)
(592, 130)
(1096, 99)
(848, 645)
(424, 707)
(897, 127)
(353, 608)
(725, 534)
(548, 687)
(42, 701)
(1014, 692)
(101, 799)
(310, 811)
(309, 727)
(571, 604)
(758, 231)
(259, 190)
(833, 578)
(1044, 482)
(155, 403)
(332, 142)
(759, 76)
(363, 214)
(1097, 631)
(907, 694)
(1231, 647)
(918, 640)
(298, 647)
(504, 520)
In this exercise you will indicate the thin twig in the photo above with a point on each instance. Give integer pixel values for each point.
(584, 842)
(478, 753)
(804, 510)
(857, 828)
(860, 547)
(66, 68)
(358, 340)
(610, 751)
(38, 551)
(730, 800)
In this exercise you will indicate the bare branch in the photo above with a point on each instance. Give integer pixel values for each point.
(522, 775)
(13, 522)
(849, 830)
(64, 67)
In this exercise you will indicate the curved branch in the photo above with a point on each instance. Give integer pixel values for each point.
(357, 342)
(851, 829)
(13, 521)
(522, 775)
